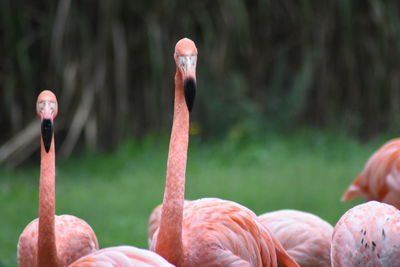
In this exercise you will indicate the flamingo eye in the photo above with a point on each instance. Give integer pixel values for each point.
(186, 61)
(44, 103)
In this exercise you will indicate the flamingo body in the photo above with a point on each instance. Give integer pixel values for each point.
(380, 178)
(122, 256)
(367, 235)
(209, 231)
(74, 239)
(154, 221)
(51, 240)
(218, 232)
(305, 236)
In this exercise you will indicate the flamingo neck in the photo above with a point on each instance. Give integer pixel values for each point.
(47, 252)
(169, 240)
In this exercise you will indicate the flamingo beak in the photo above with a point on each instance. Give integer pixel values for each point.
(47, 133)
(189, 90)
(187, 65)
(47, 126)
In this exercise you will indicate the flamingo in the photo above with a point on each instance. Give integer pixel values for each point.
(367, 235)
(55, 241)
(208, 231)
(380, 178)
(154, 223)
(122, 256)
(52, 240)
(305, 236)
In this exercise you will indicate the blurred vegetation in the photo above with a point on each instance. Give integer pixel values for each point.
(333, 63)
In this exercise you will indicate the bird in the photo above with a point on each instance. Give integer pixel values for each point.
(52, 240)
(154, 221)
(367, 235)
(305, 236)
(122, 256)
(380, 178)
(207, 231)
(58, 241)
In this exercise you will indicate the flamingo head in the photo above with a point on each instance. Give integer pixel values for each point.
(46, 109)
(186, 59)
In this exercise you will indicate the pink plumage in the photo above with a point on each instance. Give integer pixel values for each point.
(51, 240)
(367, 235)
(55, 241)
(380, 178)
(305, 236)
(209, 231)
(153, 223)
(74, 239)
(122, 256)
(218, 232)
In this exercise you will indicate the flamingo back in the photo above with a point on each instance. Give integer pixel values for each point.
(217, 232)
(306, 237)
(74, 239)
(126, 256)
(380, 178)
(153, 223)
(367, 235)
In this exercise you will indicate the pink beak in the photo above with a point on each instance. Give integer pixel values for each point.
(47, 127)
(187, 66)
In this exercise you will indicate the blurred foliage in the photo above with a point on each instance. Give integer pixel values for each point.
(333, 63)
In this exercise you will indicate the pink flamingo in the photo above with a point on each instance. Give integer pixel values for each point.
(380, 178)
(367, 235)
(154, 223)
(306, 237)
(121, 256)
(52, 240)
(208, 231)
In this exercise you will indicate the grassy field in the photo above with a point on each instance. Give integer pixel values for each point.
(115, 192)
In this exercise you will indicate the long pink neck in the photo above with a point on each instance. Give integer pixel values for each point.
(47, 252)
(169, 241)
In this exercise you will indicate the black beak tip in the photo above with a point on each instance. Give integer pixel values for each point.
(189, 88)
(47, 133)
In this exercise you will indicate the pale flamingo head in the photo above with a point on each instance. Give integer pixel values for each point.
(46, 109)
(186, 58)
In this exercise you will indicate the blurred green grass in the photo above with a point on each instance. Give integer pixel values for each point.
(115, 192)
